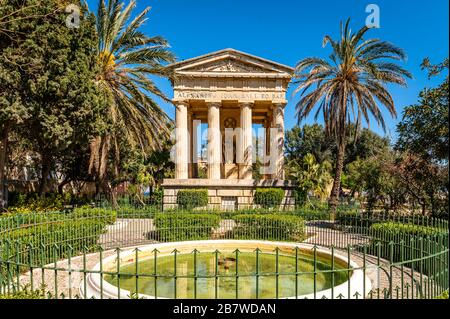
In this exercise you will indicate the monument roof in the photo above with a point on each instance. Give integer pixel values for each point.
(232, 62)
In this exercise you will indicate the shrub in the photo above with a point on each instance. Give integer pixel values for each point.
(106, 215)
(269, 226)
(157, 196)
(32, 202)
(141, 212)
(392, 229)
(444, 295)
(312, 213)
(351, 218)
(186, 226)
(191, 198)
(26, 293)
(46, 237)
(410, 242)
(269, 197)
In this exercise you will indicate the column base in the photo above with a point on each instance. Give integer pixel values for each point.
(214, 171)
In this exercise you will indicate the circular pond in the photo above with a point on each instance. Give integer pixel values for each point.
(225, 269)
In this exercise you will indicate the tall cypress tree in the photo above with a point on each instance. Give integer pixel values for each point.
(50, 96)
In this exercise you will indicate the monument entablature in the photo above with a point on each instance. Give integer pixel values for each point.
(230, 75)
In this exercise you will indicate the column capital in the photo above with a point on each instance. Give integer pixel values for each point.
(279, 104)
(213, 104)
(244, 104)
(181, 103)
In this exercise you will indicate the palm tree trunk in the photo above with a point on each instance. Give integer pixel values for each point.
(334, 196)
(4, 130)
(106, 185)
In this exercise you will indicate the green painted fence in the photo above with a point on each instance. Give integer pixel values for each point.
(407, 255)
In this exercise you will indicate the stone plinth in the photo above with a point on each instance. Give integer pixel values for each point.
(223, 191)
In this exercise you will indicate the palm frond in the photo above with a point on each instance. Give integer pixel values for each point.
(128, 59)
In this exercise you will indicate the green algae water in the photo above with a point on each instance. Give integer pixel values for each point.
(208, 276)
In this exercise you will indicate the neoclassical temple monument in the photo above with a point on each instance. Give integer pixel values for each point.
(229, 91)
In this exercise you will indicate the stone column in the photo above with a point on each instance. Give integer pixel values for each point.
(194, 146)
(278, 121)
(267, 141)
(214, 140)
(190, 144)
(245, 165)
(181, 146)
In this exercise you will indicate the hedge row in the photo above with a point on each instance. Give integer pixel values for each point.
(195, 226)
(269, 227)
(394, 229)
(268, 197)
(73, 233)
(192, 198)
(133, 212)
(178, 227)
(399, 242)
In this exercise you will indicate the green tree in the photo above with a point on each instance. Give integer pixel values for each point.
(366, 144)
(311, 177)
(423, 138)
(56, 102)
(312, 139)
(14, 18)
(425, 182)
(157, 164)
(375, 179)
(127, 58)
(424, 126)
(347, 87)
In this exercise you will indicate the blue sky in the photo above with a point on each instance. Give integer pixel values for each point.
(287, 31)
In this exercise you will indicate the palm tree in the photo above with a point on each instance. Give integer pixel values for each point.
(349, 87)
(127, 57)
(310, 176)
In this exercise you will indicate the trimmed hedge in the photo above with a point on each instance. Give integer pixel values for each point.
(269, 197)
(392, 228)
(50, 202)
(193, 226)
(418, 241)
(33, 237)
(269, 227)
(311, 214)
(191, 198)
(103, 215)
(143, 212)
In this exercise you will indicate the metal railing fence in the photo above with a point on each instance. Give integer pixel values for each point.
(57, 252)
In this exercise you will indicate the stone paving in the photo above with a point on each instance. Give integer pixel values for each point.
(138, 232)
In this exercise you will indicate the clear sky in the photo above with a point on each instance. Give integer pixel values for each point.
(287, 31)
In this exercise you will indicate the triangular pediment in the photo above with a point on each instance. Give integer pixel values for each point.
(228, 65)
(231, 61)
